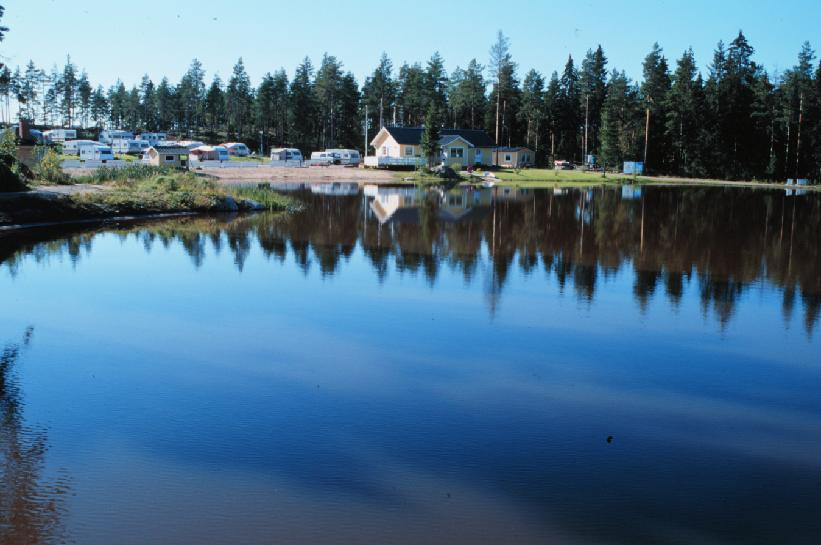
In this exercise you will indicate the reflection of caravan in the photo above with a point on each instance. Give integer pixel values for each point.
(72, 147)
(98, 152)
(108, 137)
(346, 156)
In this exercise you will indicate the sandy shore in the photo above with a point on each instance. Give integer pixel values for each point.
(301, 175)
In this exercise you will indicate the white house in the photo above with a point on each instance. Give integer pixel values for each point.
(402, 146)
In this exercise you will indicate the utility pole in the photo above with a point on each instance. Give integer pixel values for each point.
(798, 140)
(586, 119)
(366, 130)
(646, 137)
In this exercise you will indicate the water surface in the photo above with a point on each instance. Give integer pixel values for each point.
(504, 366)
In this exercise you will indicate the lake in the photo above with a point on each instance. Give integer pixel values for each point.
(613, 365)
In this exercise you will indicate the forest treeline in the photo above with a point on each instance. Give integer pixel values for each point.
(730, 120)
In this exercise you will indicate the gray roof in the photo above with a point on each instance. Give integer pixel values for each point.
(172, 150)
(413, 135)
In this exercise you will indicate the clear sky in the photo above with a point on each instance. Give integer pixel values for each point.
(121, 39)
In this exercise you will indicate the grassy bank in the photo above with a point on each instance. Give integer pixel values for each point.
(139, 190)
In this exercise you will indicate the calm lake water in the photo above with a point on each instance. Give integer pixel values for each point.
(389, 367)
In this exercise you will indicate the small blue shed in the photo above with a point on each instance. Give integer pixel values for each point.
(634, 167)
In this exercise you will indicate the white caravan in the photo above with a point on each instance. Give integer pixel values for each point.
(346, 156)
(323, 158)
(237, 148)
(135, 147)
(99, 152)
(60, 135)
(72, 147)
(153, 138)
(108, 137)
(286, 155)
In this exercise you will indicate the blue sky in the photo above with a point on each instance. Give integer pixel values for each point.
(116, 39)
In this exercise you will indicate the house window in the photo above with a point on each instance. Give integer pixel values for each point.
(384, 150)
(409, 151)
(508, 158)
(169, 157)
(457, 153)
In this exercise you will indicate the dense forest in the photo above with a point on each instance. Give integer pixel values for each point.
(730, 120)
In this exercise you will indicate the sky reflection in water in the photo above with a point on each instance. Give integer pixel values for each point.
(392, 367)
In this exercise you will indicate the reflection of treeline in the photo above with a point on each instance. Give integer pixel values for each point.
(722, 241)
(30, 505)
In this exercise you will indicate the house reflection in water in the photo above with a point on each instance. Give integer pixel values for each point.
(404, 205)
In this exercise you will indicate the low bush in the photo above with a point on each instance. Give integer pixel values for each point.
(48, 169)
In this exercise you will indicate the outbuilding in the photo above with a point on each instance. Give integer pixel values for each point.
(167, 156)
(513, 157)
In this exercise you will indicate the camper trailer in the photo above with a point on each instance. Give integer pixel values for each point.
(323, 158)
(98, 152)
(237, 149)
(55, 136)
(346, 156)
(153, 138)
(133, 147)
(108, 137)
(72, 147)
(209, 153)
(286, 155)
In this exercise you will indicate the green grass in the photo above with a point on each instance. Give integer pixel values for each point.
(268, 198)
(147, 189)
(249, 159)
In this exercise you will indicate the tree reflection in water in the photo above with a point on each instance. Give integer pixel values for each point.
(31, 505)
(724, 240)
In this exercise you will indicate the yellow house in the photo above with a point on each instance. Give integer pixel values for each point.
(169, 156)
(514, 157)
(402, 146)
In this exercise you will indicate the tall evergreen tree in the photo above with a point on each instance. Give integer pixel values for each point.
(239, 102)
(379, 93)
(430, 136)
(569, 113)
(502, 71)
(532, 112)
(467, 96)
(303, 111)
(654, 89)
(411, 95)
(593, 89)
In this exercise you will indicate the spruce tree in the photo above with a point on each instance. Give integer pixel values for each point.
(430, 136)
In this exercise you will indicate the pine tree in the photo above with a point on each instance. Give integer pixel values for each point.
(436, 84)
(569, 113)
(654, 89)
(430, 137)
(531, 113)
(379, 92)
(411, 95)
(467, 96)
(502, 71)
(302, 116)
(593, 85)
(239, 102)
(215, 106)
